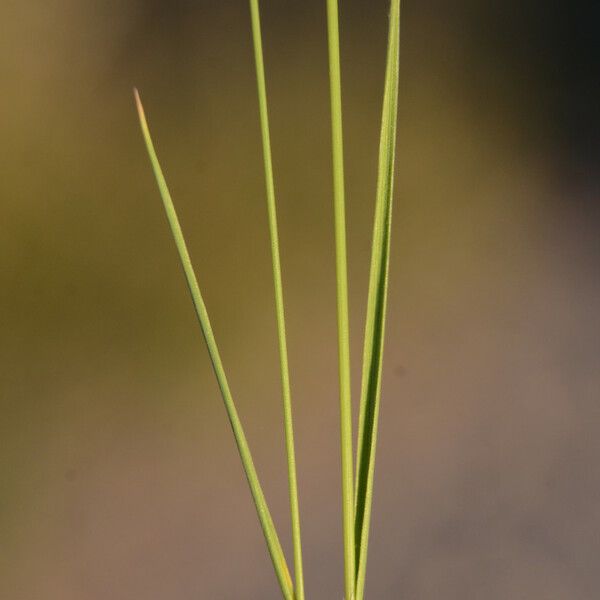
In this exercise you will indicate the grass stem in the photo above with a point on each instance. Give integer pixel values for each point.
(342, 297)
(376, 305)
(279, 307)
(262, 509)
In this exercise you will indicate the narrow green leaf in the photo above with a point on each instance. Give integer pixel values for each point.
(278, 286)
(335, 85)
(262, 509)
(376, 306)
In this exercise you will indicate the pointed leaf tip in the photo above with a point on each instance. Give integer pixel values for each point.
(138, 103)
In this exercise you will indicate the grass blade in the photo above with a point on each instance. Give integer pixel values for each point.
(333, 37)
(376, 306)
(262, 509)
(279, 309)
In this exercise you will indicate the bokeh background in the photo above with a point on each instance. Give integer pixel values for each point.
(118, 474)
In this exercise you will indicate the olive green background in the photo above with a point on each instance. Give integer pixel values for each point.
(119, 478)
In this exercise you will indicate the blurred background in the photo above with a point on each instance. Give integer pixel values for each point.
(119, 477)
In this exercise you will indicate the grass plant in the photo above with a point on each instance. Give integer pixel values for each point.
(357, 492)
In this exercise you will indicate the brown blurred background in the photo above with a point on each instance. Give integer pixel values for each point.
(119, 478)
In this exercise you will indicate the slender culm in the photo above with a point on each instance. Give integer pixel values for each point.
(342, 297)
(376, 304)
(268, 527)
(279, 307)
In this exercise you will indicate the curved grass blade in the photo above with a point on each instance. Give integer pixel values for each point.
(262, 509)
(376, 306)
(279, 309)
(333, 37)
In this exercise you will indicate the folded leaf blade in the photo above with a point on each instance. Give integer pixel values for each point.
(376, 305)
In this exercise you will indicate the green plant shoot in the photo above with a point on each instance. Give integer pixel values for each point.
(262, 509)
(335, 86)
(277, 281)
(376, 304)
